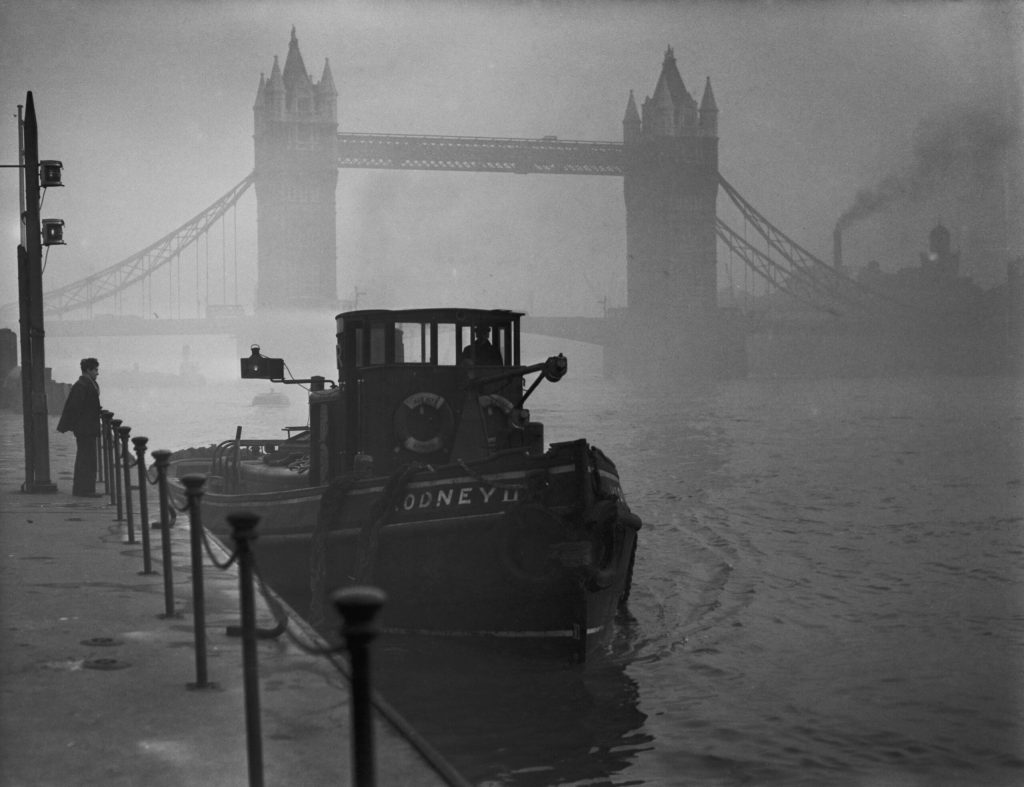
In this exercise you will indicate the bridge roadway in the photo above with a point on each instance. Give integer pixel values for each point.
(593, 330)
(547, 155)
(140, 326)
(583, 329)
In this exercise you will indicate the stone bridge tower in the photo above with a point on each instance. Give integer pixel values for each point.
(295, 134)
(670, 182)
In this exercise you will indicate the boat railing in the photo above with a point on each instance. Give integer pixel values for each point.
(228, 456)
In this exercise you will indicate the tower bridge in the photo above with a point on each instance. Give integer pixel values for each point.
(667, 160)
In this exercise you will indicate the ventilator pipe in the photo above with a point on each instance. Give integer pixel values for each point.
(358, 607)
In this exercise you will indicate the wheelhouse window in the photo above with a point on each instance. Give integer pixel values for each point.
(485, 344)
(412, 343)
(369, 345)
(377, 339)
(447, 345)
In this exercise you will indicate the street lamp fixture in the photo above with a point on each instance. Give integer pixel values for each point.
(53, 232)
(49, 173)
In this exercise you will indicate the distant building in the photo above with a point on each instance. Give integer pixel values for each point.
(935, 290)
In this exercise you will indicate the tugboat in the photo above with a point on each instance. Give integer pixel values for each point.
(421, 472)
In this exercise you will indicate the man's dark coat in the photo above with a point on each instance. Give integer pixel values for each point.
(81, 413)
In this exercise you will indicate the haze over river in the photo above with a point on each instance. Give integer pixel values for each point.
(828, 588)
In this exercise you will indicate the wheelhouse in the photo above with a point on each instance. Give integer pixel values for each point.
(422, 385)
(436, 337)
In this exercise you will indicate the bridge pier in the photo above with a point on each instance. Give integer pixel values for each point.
(695, 343)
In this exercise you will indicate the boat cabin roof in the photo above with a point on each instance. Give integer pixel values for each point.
(441, 315)
(432, 336)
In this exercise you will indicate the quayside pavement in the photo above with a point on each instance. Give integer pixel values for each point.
(94, 677)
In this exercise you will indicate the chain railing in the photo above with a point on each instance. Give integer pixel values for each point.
(357, 606)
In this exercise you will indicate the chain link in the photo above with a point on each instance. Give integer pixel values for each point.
(284, 622)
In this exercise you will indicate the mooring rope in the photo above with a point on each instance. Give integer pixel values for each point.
(332, 502)
(369, 535)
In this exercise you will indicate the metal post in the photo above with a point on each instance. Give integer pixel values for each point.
(21, 163)
(23, 306)
(26, 363)
(40, 459)
(243, 526)
(194, 493)
(115, 463)
(108, 482)
(162, 457)
(358, 607)
(126, 462)
(100, 469)
(316, 420)
(140, 462)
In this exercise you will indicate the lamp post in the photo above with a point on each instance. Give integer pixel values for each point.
(30, 286)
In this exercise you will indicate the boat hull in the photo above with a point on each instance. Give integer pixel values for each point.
(531, 549)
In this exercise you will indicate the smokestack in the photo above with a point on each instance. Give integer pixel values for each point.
(837, 246)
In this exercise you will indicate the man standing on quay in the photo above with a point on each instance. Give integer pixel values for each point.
(82, 416)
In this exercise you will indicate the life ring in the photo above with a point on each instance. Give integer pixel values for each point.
(488, 401)
(499, 415)
(423, 422)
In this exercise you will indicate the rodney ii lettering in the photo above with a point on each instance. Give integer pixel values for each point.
(454, 496)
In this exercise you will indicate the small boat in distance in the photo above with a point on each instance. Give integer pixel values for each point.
(422, 473)
(271, 399)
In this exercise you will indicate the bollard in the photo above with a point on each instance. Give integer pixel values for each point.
(358, 607)
(126, 462)
(100, 478)
(115, 466)
(194, 492)
(161, 457)
(108, 480)
(243, 527)
(140, 462)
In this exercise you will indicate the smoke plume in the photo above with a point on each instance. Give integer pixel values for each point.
(959, 142)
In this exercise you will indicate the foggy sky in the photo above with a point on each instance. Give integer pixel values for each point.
(826, 110)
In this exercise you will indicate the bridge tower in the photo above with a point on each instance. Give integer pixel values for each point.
(670, 183)
(295, 135)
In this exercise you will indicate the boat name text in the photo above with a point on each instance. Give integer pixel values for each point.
(458, 496)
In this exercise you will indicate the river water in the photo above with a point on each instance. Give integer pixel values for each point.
(829, 588)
